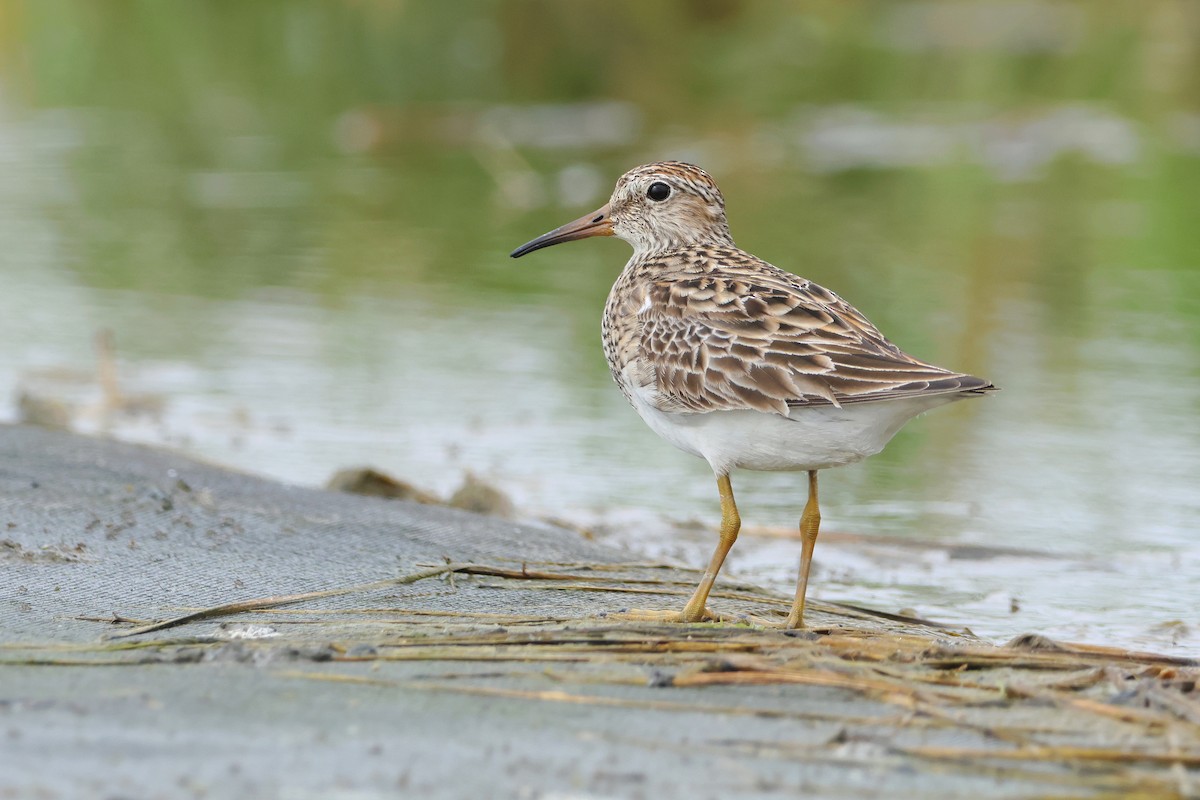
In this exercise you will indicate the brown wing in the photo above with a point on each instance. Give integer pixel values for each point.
(765, 339)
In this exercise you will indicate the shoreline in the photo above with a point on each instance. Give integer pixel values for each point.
(428, 638)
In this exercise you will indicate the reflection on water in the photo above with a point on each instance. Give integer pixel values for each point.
(300, 245)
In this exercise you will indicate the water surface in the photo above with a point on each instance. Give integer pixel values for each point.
(295, 222)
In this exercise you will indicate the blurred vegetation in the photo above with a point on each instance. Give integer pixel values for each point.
(223, 146)
(1008, 187)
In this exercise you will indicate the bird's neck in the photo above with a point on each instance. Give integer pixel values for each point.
(660, 245)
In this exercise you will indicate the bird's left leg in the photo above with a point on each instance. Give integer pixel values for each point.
(696, 610)
(810, 524)
(731, 523)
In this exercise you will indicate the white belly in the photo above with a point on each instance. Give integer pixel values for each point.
(817, 437)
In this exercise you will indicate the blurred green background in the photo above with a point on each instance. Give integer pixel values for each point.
(294, 218)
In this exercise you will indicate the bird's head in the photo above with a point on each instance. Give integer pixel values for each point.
(656, 207)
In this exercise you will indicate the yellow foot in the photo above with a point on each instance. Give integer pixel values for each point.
(642, 615)
(793, 623)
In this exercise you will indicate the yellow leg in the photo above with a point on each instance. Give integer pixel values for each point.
(696, 610)
(731, 523)
(810, 524)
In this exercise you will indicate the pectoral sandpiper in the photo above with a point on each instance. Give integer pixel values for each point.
(739, 362)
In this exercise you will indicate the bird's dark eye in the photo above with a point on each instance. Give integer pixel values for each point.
(658, 191)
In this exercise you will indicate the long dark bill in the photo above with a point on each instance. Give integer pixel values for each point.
(597, 223)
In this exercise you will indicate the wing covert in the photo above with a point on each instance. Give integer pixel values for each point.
(769, 341)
